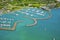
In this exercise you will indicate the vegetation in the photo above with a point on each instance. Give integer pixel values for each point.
(11, 5)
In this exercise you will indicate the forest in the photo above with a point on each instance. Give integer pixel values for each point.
(11, 5)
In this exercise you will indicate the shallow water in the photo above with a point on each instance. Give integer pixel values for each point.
(43, 30)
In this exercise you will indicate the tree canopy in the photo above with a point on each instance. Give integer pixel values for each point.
(17, 4)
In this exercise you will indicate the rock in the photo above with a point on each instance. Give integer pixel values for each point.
(45, 8)
(58, 0)
(1, 11)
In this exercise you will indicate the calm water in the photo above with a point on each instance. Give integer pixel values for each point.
(43, 30)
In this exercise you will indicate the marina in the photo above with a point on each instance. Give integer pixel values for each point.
(29, 19)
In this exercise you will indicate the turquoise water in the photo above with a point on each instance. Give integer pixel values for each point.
(43, 30)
